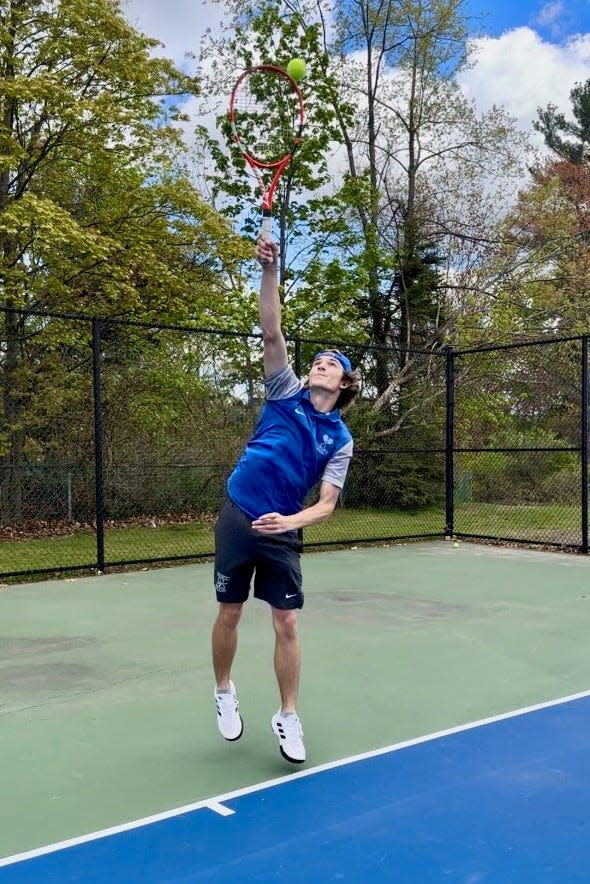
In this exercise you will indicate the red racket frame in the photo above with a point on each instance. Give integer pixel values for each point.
(257, 166)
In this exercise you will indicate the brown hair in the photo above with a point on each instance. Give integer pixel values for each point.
(348, 393)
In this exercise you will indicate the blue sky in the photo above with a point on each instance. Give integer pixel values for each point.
(554, 21)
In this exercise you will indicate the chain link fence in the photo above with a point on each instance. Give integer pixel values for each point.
(116, 439)
(520, 443)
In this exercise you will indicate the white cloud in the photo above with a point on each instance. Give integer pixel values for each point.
(550, 13)
(178, 24)
(522, 72)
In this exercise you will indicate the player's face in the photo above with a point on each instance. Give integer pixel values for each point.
(326, 373)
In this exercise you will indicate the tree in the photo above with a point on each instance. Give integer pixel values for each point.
(405, 224)
(97, 213)
(553, 125)
(530, 396)
(433, 166)
(95, 206)
(407, 200)
(272, 34)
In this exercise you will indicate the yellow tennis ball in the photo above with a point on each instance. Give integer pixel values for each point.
(297, 69)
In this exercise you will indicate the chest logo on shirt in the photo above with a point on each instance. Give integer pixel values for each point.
(324, 446)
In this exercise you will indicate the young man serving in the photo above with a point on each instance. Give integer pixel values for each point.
(300, 440)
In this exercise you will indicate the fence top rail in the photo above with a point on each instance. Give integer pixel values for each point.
(531, 342)
(134, 323)
(194, 329)
(516, 449)
(358, 345)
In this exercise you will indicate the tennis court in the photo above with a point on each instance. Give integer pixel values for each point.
(445, 701)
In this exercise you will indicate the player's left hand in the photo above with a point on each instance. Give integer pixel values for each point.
(273, 523)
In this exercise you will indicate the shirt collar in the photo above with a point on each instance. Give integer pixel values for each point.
(333, 415)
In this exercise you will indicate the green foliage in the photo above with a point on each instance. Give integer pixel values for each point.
(554, 125)
(169, 490)
(268, 35)
(390, 480)
(564, 486)
(98, 215)
(523, 476)
(398, 473)
(97, 212)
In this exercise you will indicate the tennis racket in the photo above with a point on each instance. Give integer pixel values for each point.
(266, 115)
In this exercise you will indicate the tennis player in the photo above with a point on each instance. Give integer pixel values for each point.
(300, 440)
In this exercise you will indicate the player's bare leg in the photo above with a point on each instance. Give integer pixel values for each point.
(287, 657)
(287, 660)
(224, 642)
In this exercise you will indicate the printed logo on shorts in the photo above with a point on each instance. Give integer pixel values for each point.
(221, 582)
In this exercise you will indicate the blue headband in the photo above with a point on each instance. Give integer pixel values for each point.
(340, 357)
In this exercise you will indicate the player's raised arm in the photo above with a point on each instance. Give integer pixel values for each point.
(275, 347)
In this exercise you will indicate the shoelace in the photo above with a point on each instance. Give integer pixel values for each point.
(227, 700)
(292, 726)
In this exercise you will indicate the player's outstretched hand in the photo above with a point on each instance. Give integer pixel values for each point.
(272, 523)
(266, 250)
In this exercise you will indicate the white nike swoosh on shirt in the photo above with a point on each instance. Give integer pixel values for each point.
(291, 595)
(299, 411)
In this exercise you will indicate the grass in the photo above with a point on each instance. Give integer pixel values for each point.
(187, 540)
(372, 524)
(121, 544)
(541, 523)
(545, 523)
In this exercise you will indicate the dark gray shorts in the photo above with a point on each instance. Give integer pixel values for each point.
(241, 552)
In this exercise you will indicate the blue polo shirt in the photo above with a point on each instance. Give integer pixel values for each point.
(291, 449)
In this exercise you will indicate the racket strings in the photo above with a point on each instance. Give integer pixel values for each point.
(266, 116)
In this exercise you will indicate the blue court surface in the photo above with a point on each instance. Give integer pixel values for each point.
(504, 800)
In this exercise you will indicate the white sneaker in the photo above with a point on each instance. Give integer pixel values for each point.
(229, 720)
(289, 731)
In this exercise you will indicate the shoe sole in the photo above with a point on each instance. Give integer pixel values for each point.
(233, 739)
(292, 760)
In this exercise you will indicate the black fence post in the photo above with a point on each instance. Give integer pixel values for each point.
(98, 459)
(298, 361)
(449, 441)
(584, 445)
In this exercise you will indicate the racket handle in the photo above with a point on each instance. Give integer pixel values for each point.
(266, 226)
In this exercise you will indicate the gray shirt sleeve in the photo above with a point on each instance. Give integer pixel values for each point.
(337, 466)
(282, 384)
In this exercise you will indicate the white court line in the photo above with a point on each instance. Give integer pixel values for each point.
(221, 809)
(216, 804)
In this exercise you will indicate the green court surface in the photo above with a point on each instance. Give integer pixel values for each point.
(106, 708)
